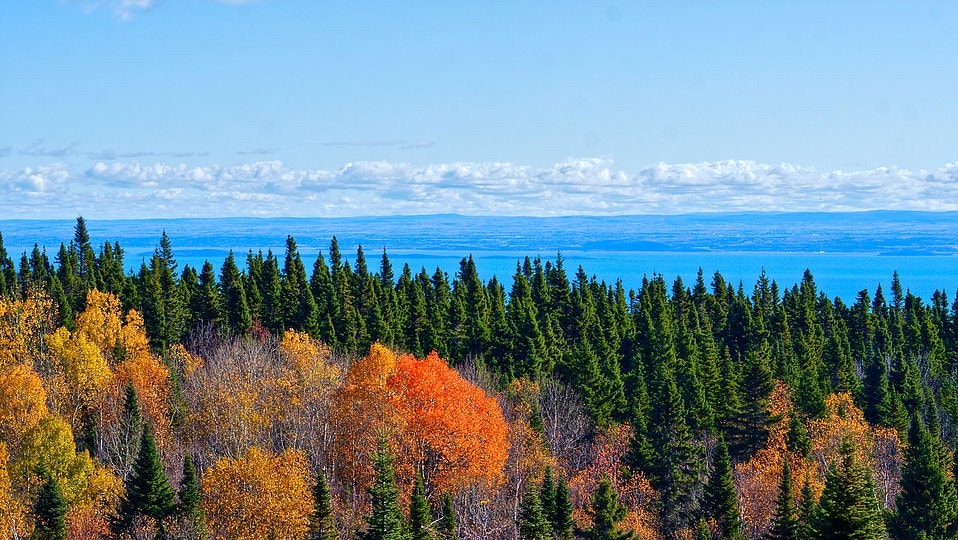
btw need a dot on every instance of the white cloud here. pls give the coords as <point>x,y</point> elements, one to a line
<point>126,10</point>
<point>117,188</point>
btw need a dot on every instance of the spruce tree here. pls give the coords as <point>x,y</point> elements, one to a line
<point>386,521</point>
<point>49,512</point>
<point>322,523</point>
<point>848,508</point>
<point>419,518</point>
<point>131,431</point>
<point>189,508</point>
<point>147,490</point>
<point>606,514</point>
<point>785,524</point>
<point>797,439</point>
<point>562,522</point>
<point>807,510</point>
<point>448,528</point>
<point>927,505</point>
<point>721,502</point>
<point>531,521</point>
<point>547,495</point>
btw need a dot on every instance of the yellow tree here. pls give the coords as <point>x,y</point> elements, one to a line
<point>85,373</point>
<point>879,449</point>
<point>49,447</point>
<point>757,479</point>
<point>23,324</point>
<point>259,495</point>
<point>9,507</point>
<point>310,384</point>
<point>22,403</point>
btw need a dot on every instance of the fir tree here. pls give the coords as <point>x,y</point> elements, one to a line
<point>322,523</point>
<point>419,518</point>
<point>547,495</point>
<point>785,524</point>
<point>606,514</point>
<point>807,511</point>
<point>386,521</point>
<point>147,490</point>
<point>531,521</point>
<point>720,498</point>
<point>130,431</point>
<point>448,528</point>
<point>848,508</point>
<point>189,507</point>
<point>562,522</point>
<point>797,439</point>
<point>927,506</point>
<point>49,512</point>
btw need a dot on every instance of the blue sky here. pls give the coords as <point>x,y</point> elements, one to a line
<point>149,108</point>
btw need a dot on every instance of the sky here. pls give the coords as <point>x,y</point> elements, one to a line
<point>175,108</point>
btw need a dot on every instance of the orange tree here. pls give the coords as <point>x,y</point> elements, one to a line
<point>440,426</point>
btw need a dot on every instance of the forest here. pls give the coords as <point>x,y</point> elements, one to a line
<point>277,398</point>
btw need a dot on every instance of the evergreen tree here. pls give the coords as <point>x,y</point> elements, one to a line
<point>49,512</point>
<point>606,514</point>
<point>797,439</point>
<point>147,490</point>
<point>531,521</point>
<point>927,506</point>
<point>807,511</point>
<point>785,524</point>
<point>848,508</point>
<point>561,520</point>
<point>448,528</point>
<point>189,508</point>
<point>131,431</point>
<point>547,496</point>
<point>322,523</point>
<point>419,518</point>
<point>235,307</point>
<point>674,471</point>
<point>386,521</point>
<point>721,502</point>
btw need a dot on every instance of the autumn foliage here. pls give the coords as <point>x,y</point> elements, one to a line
<point>440,426</point>
<point>259,495</point>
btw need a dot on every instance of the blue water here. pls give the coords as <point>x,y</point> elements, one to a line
<point>841,275</point>
<point>845,252</point>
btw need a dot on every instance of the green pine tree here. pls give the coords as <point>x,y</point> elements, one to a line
<point>386,522</point>
<point>322,522</point>
<point>147,490</point>
<point>785,524</point>
<point>131,431</point>
<point>721,503</point>
<point>562,522</point>
<point>848,508</point>
<point>927,506</point>
<point>606,514</point>
<point>807,510</point>
<point>49,512</point>
<point>547,495</point>
<point>189,508</point>
<point>448,528</point>
<point>531,521</point>
<point>419,518</point>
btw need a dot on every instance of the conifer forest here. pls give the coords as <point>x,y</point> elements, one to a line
<point>270,397</point>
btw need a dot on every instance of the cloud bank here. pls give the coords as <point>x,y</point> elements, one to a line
<point>589,186</point>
